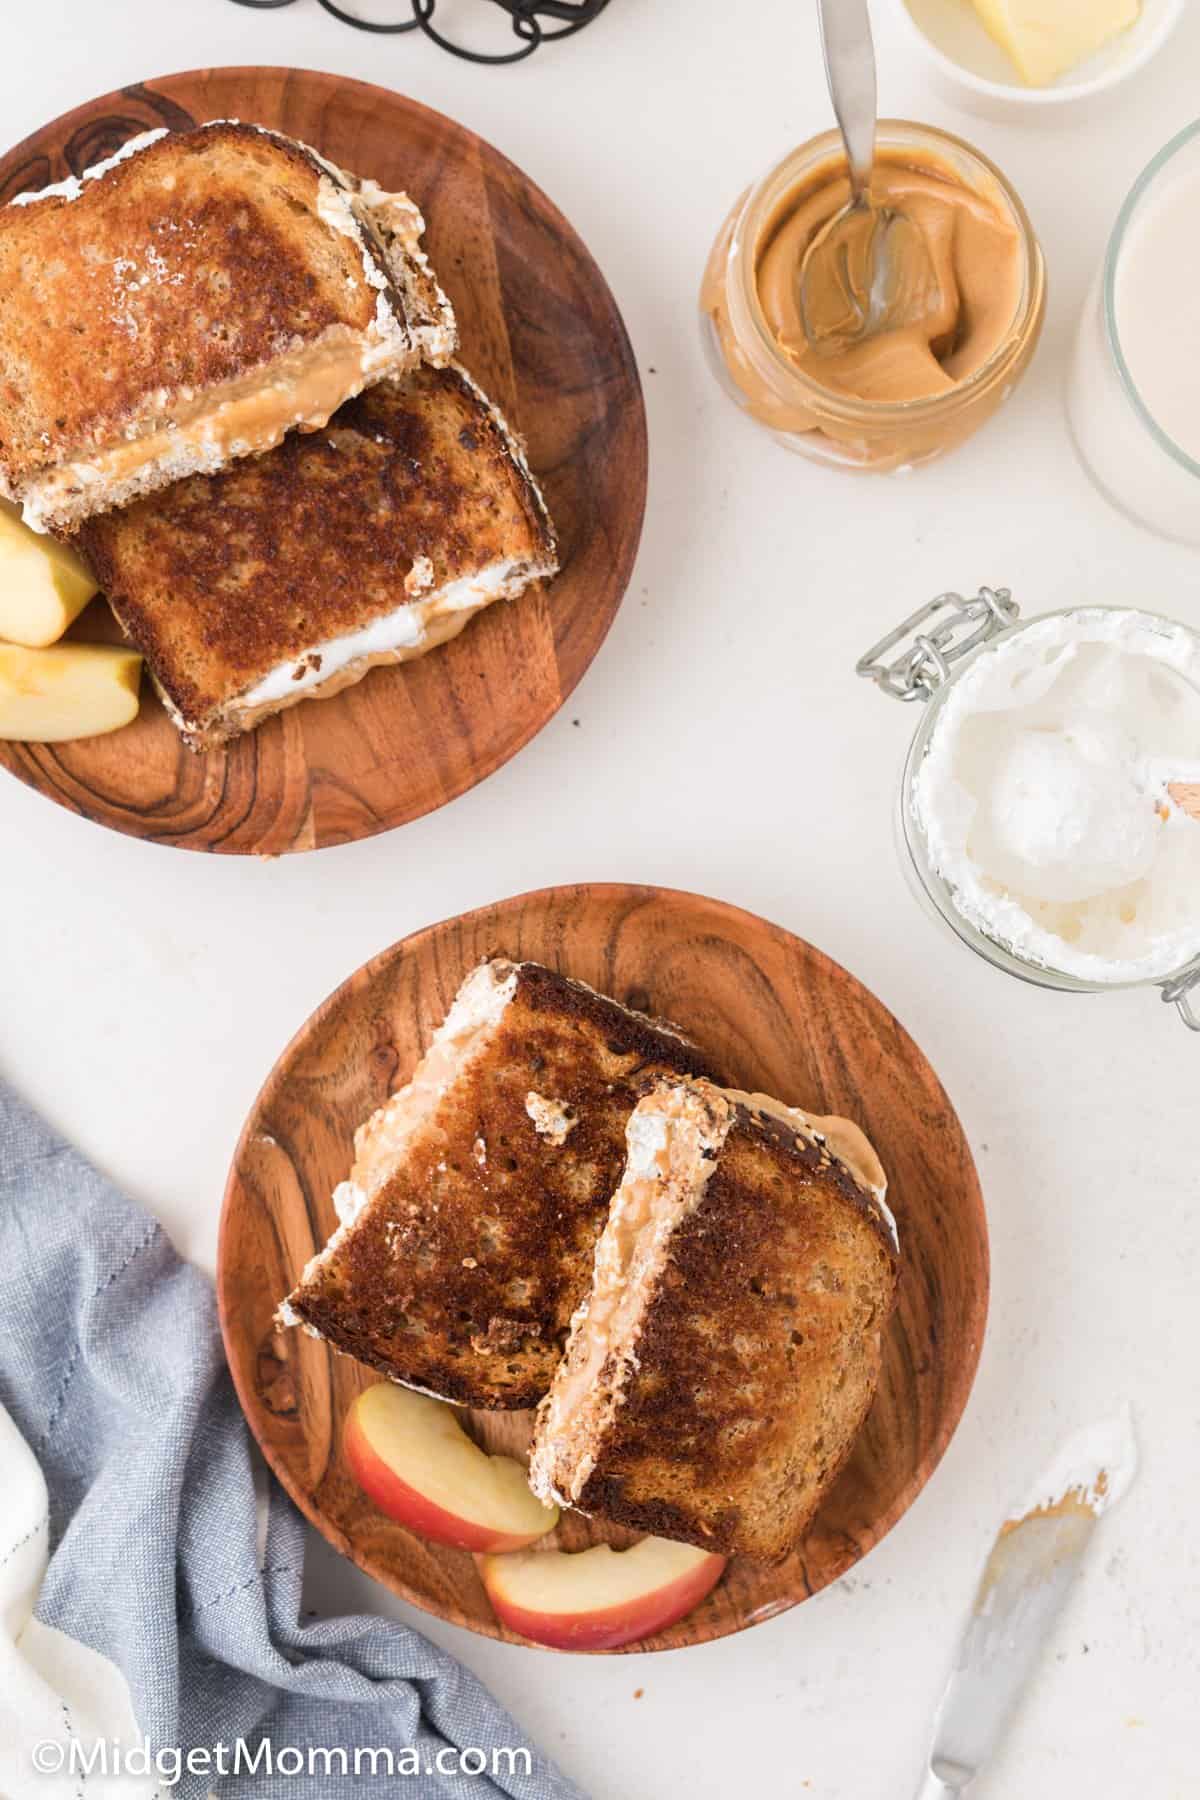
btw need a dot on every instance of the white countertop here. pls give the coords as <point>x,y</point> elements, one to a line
<point>721,743</point>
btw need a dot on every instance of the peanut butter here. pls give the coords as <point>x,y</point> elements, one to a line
<point>976,262</point>
<point>906,394</point>
<point>243,417</point>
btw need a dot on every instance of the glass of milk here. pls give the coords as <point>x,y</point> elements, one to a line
<point>1036,817</point>
<point>1133,394</point>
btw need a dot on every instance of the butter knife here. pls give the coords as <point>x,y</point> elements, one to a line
<point>1025,1581</point>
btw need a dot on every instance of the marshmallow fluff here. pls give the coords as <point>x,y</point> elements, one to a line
<point>1042,795</point>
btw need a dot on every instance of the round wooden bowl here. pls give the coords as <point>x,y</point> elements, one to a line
<point>784,1020</point>
<point>541,332</point>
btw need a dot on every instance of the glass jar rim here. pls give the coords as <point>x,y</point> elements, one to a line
<point>935,887</point>
<point>929,406</point>
<point>1141,186</point>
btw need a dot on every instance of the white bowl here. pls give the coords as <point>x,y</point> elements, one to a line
<point>969,63</point>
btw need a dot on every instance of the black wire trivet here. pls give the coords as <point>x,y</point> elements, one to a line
<point>526,17</point>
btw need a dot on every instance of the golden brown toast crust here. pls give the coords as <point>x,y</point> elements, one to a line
<point>758,1354</point>
<point>462,1273</point>
<point>196,261</point>
<point>219,579</point>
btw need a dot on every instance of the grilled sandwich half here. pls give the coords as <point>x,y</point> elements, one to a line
<point>189,301</point>
<point>478,1190</point>
<point>288,577</point>
<point>719,1369</point>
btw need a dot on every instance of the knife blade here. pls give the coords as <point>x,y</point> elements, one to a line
<point>1025,1581</point>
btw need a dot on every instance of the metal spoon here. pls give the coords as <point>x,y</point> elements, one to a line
<point>868,269</point>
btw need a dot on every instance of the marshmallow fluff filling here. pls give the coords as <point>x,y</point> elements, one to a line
<point>1043,801</point>
<point>396,633</point>
<point>672,1140</point>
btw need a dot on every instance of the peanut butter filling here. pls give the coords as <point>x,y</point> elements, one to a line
<point>976,259</point>
<point>246,416</point>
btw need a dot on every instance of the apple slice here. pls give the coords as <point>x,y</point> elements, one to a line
<point>68,691</point>
<point>600,1598</point>
<point>43,585</point>
<point>411,1455</point>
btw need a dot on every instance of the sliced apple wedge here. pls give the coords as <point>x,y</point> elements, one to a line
<point>601,1598</point>
<point>43,586</point>
<point>411,1455</point>
<point>67,691</point>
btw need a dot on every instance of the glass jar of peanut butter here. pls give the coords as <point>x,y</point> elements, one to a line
<point>909,393</point>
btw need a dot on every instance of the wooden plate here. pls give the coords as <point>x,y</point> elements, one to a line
<point>785,1020</point>
<point>543,335</point>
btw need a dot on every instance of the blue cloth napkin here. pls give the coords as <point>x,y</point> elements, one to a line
<point>154,1555</point>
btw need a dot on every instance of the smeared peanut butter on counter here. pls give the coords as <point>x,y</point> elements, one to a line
<point>976,259</point>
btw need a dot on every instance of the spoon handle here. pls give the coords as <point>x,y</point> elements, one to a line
<point>850,71</point>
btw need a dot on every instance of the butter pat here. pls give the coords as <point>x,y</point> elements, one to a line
<point>1045,38</point>
<point>48,696</point>
<point>43,586</point>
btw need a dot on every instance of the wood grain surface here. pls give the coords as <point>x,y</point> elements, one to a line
<point>785,1020</point>
<point>542,333</point>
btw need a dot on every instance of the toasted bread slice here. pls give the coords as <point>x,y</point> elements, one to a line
<point>728,1351</point>
<point>479,1190</point>
<point>188,302</point>
<point>287,577</point>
